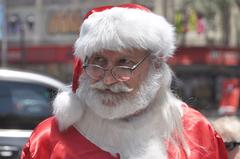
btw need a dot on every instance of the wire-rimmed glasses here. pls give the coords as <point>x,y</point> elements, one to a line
<point>231,145</point>
<point>120,73</point>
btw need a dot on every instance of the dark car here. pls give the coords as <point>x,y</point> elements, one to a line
<point>25,100</point>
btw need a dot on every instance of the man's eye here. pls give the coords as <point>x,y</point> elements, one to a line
<point>99,61</point>
<point>125,62</point>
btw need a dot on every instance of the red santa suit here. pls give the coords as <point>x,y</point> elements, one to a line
<point>157,112</point>
<point>47,142</point>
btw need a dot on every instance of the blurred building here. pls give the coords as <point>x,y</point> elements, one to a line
<point>57,21</point>
<point>41,34</point>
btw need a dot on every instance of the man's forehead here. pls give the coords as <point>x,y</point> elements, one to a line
<point>126,52</point>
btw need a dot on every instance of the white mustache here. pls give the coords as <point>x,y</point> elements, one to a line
<point>116,88</point>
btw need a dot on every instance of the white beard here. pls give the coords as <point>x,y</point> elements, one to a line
<point>115,106</point>
<point>140,136</point>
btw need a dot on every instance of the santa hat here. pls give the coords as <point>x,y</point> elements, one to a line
<point>122,27</point>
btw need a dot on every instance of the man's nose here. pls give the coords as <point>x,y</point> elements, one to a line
<point>108,78</point>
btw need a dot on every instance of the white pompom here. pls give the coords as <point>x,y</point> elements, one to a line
<point>67,109</point>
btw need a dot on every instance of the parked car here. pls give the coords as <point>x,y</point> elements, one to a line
<point>25,100</point>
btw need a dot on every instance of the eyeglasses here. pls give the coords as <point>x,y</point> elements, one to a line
<point>231,145</point>
<point>120,73</point>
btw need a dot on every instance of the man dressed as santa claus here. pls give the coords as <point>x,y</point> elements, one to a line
<point>121,105</point>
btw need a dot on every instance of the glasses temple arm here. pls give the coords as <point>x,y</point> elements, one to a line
<point>137,64</point>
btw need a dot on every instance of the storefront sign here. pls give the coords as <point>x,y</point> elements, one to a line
<point>64,21</point>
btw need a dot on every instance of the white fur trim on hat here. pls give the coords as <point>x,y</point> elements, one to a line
<point>124,28</point>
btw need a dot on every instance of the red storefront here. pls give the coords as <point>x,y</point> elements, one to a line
<point>41,54</point>
<point>208,77</point>
<point>53,60</point>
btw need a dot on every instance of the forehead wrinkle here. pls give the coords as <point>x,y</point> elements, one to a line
<point>132,52</point>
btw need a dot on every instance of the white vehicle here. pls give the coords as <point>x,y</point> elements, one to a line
<point>25,100</point>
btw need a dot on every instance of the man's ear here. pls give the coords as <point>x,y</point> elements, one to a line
<point>157,61</point>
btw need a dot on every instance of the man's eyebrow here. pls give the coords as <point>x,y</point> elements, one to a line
<point>96,53</point>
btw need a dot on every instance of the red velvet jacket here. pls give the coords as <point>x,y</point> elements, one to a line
<point>46,142</point>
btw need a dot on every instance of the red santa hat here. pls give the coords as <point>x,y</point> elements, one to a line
<point>122,27</point>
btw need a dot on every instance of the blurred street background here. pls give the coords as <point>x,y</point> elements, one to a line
<point>38,36</point>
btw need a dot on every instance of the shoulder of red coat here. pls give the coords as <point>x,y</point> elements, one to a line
<point>193,116</point>
<point>45,131</point>
<point>49,123</point>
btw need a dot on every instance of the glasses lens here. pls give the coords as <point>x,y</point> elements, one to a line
<point>95,72</point>
<point>122,73</point>
<point>230,145</point>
